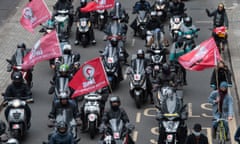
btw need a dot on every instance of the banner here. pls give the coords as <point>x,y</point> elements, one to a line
<point>46,48</point>
<point>33,14</point>
<point>98,5</point>
<point>90,77</point>
<point>203,56</point>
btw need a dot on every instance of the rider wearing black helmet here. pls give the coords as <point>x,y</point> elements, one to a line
<point>18,89</point>
<point>79,14</point>
<point>176,7</point>
<point>115,111</point>
<point>62,135</point>
<point>119,12</point>
<point>142,59</point>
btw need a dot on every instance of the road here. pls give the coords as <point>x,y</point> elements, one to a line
<point>195,93</point>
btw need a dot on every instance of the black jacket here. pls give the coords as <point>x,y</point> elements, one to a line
<point>58,107</point>
<point>21,91</point>
<point>58,138</point>
<point>110,114</point>
<point>79,14</point>
<point>192,139</point>
<point>152,24</point>
<point>219,75</point>
<point>176,9</point>
<point>219,18</point>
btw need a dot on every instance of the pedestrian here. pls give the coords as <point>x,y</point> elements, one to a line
<point>196,137</point>
<point>237,135</point>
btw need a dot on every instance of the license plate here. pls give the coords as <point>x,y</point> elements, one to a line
<point>156,67</point>
<point>116,135</point>
<point>222,35</point>
<point>169,137</point>
<point>15,126</point>
<point>110,60</point>
<point>137,76</point>
<point>83,23</point>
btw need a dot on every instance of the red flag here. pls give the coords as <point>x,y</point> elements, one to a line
<point>90,77</point>
<point>34,13</point>
<point>46,48</point>
<point>203,56</point>
<point>98,5</point>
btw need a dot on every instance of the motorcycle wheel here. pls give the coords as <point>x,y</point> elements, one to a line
<point>92,129</point>
<point>16,134</point>
<point>137,101</point>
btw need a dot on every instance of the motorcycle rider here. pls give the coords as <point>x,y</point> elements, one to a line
<point>222,107</point>
<point>196,137</point>
<point>3,133</point>
<point>24,51</point>
<point>219,74</point>
<point>18,89</point>
<point>119,12</point>
<point>79,14</point>
<point>115,112</point>
<point>141,5</point>
<point>176,7</point>
<point>64,5</point>
<point>64,102</point>
<point>166,77</point>
<point>219,15</point>
<point>143,60</point>
<point>62,135</point>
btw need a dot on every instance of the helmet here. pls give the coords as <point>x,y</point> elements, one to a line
<point>166,68</point>
<point>12,141</point>
<point>22,45</point>
<point>83,3</point>
<point>63,69</point>
<point>17,76</point>
<point>188,21</point>
<point>114,42</point>
<point>62,127</point>
<point>67,49</point>
<point>115,103</point>
<point>142,1</point>
<point>2,127</point>
<point>140,54</point>
<point>118,5</point>
<point>223,84</point>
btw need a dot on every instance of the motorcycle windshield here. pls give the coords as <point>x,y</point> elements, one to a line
<point>157,37</point>
<point>19,56</point>
<point>112,57</point>
<point>116,125</point>
<point>142,14</point>
<point>65,115</point>
<point>62,84</point>
<point>67,59</point>
<point>114,28</point>
<point>139,68</point>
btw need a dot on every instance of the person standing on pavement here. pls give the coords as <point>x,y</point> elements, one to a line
<point>196,137</point>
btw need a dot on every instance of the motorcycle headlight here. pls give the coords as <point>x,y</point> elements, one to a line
<point>162,6</point>
<point>16,103</point>
<point>171,126</point>
<point>188,36</point>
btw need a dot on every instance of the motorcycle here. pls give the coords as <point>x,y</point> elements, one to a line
<point>161,7</point>
<point>84,26</point>
<point>156,36</point>
<point>16,66</point>
<point>175,23</point>
<point>116,132</point>
<point>100,19</point>
<point>220,37</point>
<point>61,21</point>
<point>92,112</point>
<point>171,115</point>
<point>137,83</point>
<point>142,19</point>
<point>17,121</point>
<point>112,66</point>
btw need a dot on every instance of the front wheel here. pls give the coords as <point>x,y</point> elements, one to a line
<point>137,100</point>
<point>92,129</point>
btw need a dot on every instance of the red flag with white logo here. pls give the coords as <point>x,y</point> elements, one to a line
<point>203,56</point>
<point>90,77</point>
<point>33,14</point>
<point>98,5</point>
<point>46,48</point>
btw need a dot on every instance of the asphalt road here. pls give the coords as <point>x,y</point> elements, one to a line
<point>7,7</point>
<point>195,93</point>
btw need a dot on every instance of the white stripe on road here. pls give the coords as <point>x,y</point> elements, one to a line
<point>204,22</point>
<point>133,42</point>
<point>138,117</point>
<point>135,136</point>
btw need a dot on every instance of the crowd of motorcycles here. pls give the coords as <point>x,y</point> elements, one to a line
<point>172,112</point>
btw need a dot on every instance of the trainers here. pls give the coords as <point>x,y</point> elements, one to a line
<point>76,42</point>
<point>94,42</point>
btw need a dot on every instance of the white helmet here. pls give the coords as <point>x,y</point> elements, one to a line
<point>12,141</point>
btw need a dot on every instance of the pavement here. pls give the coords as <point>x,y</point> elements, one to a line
<point>12,33</point>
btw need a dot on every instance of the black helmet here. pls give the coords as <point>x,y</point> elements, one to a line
<point>115,102</point>
<point>114,42</point>
<point>67,49</point>
<point>188,21</point>
<point>142,1</point>
<point>17,76</point>
<point>166,68</point>
<point>83,3</point>
<point>22,45</point>
<point>140,54</point>
<point>118,5</point>
<point>62,127</point>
